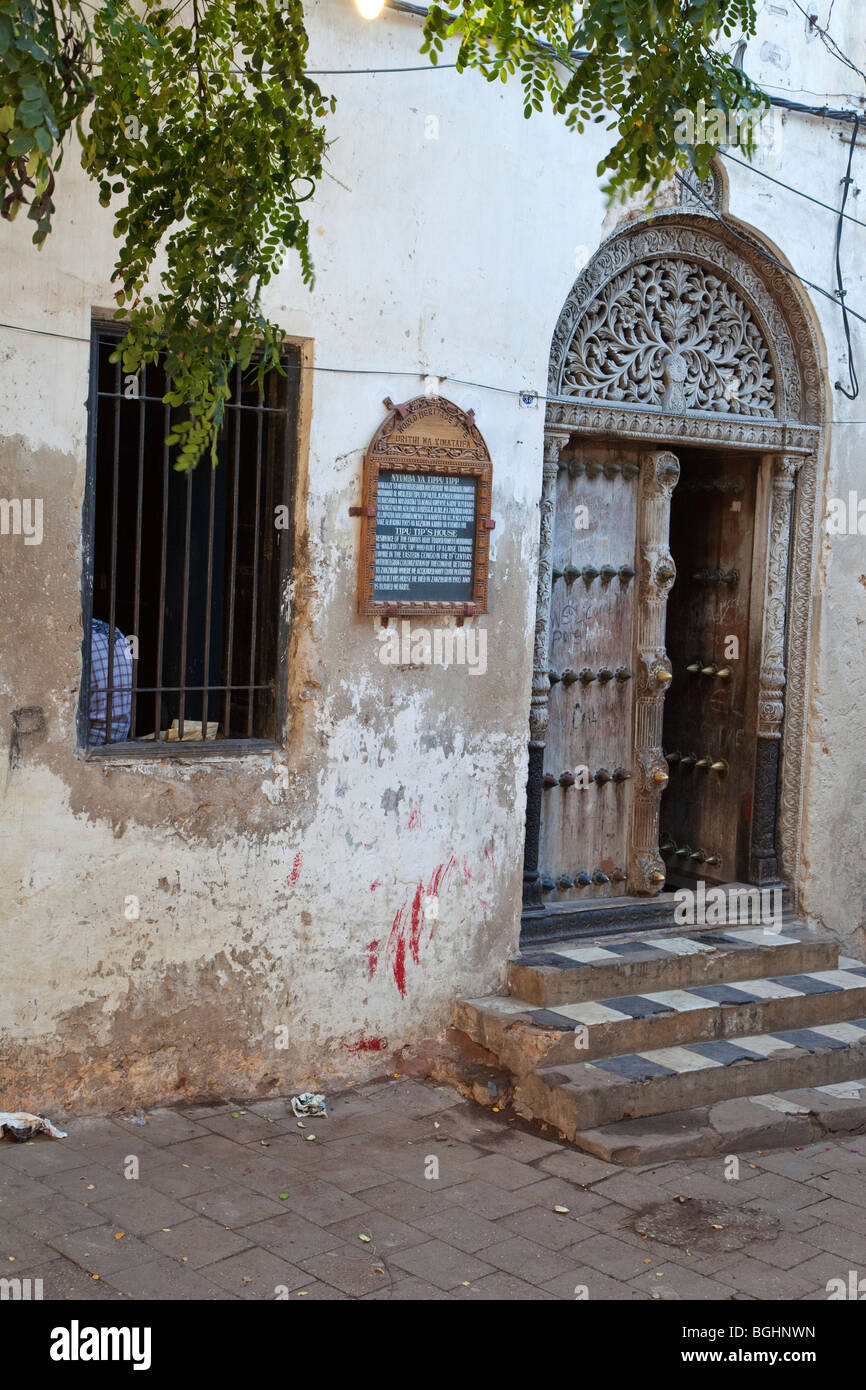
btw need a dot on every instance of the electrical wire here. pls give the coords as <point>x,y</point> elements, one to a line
<point>755,169</point>
<point>846,185</point>
<point>829,42</point>
<point>761,251</point>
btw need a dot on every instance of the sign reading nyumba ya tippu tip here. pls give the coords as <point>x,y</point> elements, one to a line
<point>425,517</point>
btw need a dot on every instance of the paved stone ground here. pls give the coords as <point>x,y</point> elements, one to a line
<point>237,1201</point>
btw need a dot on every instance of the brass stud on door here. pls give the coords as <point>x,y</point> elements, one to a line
<point>602,776</point>
<point>664,573</point>
<point>709,670</point>
<point>607,573</point>
<point>568,677</point>
<point>554,677</point>
<point>699,856</point>
<point>695,667</point>
<point>673,758</point>
<point>582,880</point>
<point>586,675</point>
<point>688,761</point>
<point>721,767</point>
<point>566,779</point>
<point>663,676</point>
<point>713,860</point>
<point>659,776</point>
<point>620,774</point>
<point>630,470</point>
<point>626,572</point>
<point>548,781</point>
<point>725,674</point>
<point>564,882</point>
<point>600,877</point>
<point>547,885</point>
<point>703,764</point>
<point>570,573</point>
<point>657,876</point>
<point>729,577</point>
<point>605,675</point>
<point>589,573</point>
<point>622,674</point>
<point>617,876</point>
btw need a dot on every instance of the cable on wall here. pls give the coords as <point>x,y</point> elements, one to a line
<point>846,184</point>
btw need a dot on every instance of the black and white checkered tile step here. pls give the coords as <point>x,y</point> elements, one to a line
<point>723,1052</point>
<point>629,1023</point>
<point>568,973</point>
<point>660,1080</point>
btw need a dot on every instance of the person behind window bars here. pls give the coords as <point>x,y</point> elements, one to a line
<point>121,682</point>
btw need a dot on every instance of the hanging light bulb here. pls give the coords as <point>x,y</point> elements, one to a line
<point>370,9</point>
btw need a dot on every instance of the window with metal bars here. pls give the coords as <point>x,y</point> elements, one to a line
<point>185,635</point>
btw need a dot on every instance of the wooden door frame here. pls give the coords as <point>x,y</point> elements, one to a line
<point>792,439</point>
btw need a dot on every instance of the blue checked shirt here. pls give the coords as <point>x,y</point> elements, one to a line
<point>121,680</point>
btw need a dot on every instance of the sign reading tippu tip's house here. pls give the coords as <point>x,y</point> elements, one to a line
<point>425,518</point>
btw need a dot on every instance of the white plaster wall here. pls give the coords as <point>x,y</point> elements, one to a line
<point>256,879</point>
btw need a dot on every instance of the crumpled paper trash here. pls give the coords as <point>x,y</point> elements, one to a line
<point>308,1104</point>
<point>22,1126</point>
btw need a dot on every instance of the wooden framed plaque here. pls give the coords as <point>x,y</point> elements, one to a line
<point>425,519</point>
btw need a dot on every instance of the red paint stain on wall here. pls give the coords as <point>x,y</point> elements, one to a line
<point>409,922</point>
<point>366,1045</point>
<point>293,877</point>
<point>377,883</point>
<point>372,953</point>
<point>414,820</point>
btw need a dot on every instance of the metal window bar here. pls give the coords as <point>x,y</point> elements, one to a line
<point>136,602</point>
<point>157,702</point>
<point>233,566</point>
<point>112,599</point>
<point>255,599</point>
<point>237,414</point>
<point>185,605</point>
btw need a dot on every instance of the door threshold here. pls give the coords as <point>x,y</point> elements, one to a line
<point>613,916</point>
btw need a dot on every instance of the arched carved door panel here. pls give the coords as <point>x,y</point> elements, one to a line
<point>679,335</point>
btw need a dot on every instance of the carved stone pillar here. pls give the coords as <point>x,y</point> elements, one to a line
<point>659,476</point>
<point>764,866</point>
<point>538,707</point>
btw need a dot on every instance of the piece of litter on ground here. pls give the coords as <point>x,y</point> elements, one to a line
<point>308,1103</point>
<point>21,1126</point>
<point>139,1118</point>
<point>563,1211</point>
<point>309,1137</point>
<point>365,1239</point>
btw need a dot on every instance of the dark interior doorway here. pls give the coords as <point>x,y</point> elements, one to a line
<point>713,640</point>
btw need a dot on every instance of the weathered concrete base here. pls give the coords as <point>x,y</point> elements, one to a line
<point>788,1120</point>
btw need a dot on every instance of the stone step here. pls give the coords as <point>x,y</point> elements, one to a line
<point>786,1119</point>
<point>523,1036</point>
<point>566,973</point>
<point>587,1095</point>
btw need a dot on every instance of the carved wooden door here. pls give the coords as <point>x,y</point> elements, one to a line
<point>709,727</point>
<point>608,669</point>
